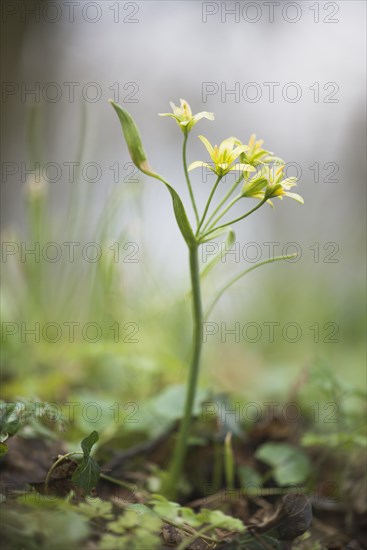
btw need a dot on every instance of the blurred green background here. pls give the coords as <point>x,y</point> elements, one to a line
<point>141,284</point>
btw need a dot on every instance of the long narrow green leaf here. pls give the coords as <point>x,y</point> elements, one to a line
<point>180,214</point>
<point>139,157</point>
<point>132,138</point>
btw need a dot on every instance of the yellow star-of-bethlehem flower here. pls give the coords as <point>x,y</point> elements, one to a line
<point>224,156</point>
<point>184,117</point>
<point>257,155</point>
<point>269,183</point>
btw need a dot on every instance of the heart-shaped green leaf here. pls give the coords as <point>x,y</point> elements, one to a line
<point>87,473</point>
<point>290,464</point>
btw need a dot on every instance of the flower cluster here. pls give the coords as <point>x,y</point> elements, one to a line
<point>261,171</point>
<point>269,183</point>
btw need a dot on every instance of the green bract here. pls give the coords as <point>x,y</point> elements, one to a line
<point>133,140</point>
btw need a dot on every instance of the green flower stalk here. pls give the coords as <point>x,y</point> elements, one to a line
<point>186,120</point>
<point>259,179</point>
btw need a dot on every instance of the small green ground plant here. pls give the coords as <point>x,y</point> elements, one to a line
<point>259,175</point>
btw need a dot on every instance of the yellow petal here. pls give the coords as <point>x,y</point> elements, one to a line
<point>251,141</point>
<point>227,144</point>
<point>198,164</point>
<point>203,114</point>
<point>176,110</point>
<point>168,114</point>
<point>245,167</point>
<point>280,170</point>
<point>294,196</point>
<point>238,150</point>
<point>208,145</point>
<point>185,108</point>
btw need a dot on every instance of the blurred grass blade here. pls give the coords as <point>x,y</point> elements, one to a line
<point>242,274</point>
<point>220,255</point>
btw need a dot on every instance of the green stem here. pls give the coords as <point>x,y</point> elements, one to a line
<point>233,221</point>
<point>184,161</point>
<point>217,466</point>
<point>208,203</point>
<point>56,463</point>
<point>228,207</point>
<point>180,450</point>
<point>243,273</point>
<point>226,197</point>
<point>229,462</point>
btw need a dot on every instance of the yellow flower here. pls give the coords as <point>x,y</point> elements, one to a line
<point>257,155</point>
<point>184,117</point>
<point>279,187</point>
<point>269,184</point>
<point>254,188</point>
<point>223,157</point>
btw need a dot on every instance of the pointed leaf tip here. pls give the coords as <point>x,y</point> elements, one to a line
<point>87,473</point>
<point>133,139</point>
